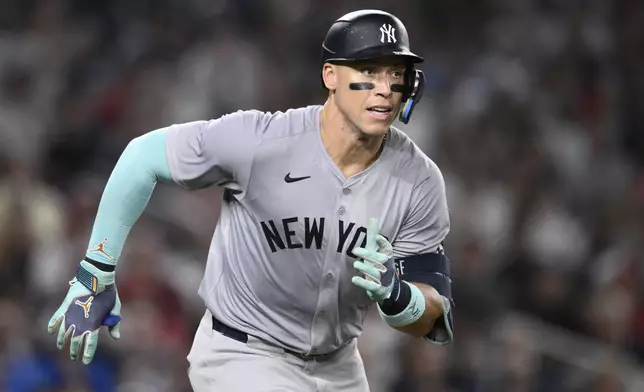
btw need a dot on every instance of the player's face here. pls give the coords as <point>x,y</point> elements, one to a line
<point>364,94</point>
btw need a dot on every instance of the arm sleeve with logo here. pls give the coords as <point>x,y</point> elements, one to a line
<point>424,229</point>
<point>127,192</point>
<point>195,155</point>
<point>217,152</point>
<point>92,299</point>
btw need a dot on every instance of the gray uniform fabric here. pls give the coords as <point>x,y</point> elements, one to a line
<point>280,264</point>
<point>218,363</point>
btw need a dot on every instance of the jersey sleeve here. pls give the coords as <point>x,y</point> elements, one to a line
<point>427,222</point>
<point>217,152</point>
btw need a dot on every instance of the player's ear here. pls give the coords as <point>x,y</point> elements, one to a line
<point>330,76</point>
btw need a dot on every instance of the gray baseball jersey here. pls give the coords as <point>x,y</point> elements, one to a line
<point>280,264</point>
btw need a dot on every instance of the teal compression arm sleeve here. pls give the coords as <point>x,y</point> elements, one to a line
<point>127,192</point>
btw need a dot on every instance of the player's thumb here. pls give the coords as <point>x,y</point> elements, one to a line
<point>373,227</point>
<point>115,331</point>
<point>113,324</point>
<point>113,320</point>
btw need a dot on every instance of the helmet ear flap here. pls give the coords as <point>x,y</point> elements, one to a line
<point>415,83</point>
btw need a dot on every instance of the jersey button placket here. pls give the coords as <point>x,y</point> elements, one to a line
<point>320,322</point>
<point>326,295</point>
<point>346,191</point>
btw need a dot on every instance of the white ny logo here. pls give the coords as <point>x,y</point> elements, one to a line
<point>387,30</point>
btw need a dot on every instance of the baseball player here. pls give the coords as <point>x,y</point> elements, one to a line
<point>328,210</point>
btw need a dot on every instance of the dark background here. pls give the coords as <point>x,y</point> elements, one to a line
<point>534,111</point>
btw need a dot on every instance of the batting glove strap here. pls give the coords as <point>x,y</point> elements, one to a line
<point>412,312</point>
<point>93,279</point>
<point>398,300</point>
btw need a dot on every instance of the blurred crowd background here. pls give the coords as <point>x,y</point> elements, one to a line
<point>534,110</point>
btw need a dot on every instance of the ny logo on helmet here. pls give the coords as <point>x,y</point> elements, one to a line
<point>387,30</point>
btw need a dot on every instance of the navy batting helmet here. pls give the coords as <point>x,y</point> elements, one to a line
<point>373,34</point>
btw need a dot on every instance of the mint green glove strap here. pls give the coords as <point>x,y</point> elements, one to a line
<point>412,312</point>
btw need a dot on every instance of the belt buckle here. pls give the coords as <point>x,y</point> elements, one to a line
<point>302,356</point>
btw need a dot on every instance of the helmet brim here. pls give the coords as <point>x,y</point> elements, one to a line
<point>379,52</point>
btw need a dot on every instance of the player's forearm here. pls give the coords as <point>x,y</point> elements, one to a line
<point>433,311</point>
<point>127,192</point>
<point>420,310</point>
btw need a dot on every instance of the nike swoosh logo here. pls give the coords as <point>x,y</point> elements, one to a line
<point>288,179</point>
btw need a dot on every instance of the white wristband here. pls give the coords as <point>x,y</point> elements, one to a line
<point>412,312</point>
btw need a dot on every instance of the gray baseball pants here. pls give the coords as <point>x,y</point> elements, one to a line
<point>222,364</point>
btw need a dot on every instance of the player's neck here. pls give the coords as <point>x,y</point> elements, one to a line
<point>351,151</point>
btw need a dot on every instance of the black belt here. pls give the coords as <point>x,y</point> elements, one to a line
<point>229,331</point>
<point>243,337</point>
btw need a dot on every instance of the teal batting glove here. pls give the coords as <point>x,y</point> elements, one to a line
<point>91,302</point>
<point>377,265</point>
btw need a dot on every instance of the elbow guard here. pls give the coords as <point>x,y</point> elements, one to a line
<point>432,269</point>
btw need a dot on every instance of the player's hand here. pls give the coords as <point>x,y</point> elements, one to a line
<point>377,265</point>
<point>91,302</point>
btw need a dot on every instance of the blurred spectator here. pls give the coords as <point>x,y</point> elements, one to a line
<point>533,111</point>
